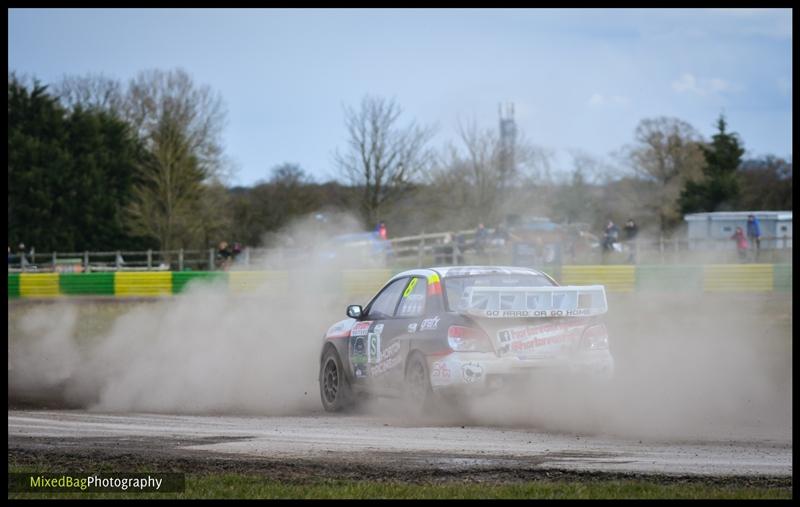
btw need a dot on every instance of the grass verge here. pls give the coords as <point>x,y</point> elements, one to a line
<point>234,485</point>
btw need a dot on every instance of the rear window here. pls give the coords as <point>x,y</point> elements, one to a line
<point>455,287</point>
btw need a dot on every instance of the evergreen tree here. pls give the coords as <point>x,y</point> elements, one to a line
<point>719,188</point>
<point>70,174</point>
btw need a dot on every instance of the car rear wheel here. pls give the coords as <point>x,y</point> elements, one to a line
<point>333,384</point>
<point>418,392</point>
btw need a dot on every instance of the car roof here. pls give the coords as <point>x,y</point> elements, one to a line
<point>451,271</point>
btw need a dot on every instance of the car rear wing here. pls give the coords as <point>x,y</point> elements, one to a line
<point>523,302</point>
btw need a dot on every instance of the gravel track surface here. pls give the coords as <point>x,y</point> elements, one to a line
<point>371,443</point>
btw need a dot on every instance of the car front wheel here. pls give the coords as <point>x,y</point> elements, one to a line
<point>333,384</point>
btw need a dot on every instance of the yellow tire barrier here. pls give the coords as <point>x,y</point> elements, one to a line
<point>615,278</point>
<point>748,277</point>
<point>37,285</point>
<point>366,282</point>
<point>143,284</point>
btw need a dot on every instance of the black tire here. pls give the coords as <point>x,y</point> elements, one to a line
<point>418,393</point>
<point>334,387</point>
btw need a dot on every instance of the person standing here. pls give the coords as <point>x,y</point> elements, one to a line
<point>481,236</point>
<point>754,233</point>
<point>224,255</point>
<point>611,236</point>
<point>631,230</point>
<point>741,243</point>
<point>23,260</point>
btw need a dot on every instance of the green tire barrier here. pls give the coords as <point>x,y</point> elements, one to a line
<point>180,279</point>
<point>13,285</point>
<point>362,282</point>
<point>78,284</point>
<point>782,277</point>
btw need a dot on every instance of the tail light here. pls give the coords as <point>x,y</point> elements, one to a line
<point>595,337</point>
<point>468,339</point>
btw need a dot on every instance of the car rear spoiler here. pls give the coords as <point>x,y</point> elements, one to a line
<point>523,302</point>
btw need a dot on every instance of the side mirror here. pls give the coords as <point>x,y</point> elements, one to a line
<point>354,311</point>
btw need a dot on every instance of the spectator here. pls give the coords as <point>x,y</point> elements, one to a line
<point>382,229</point>
<point>741,243</point>
<point>460,246</point>
<point>444,251</point>
<point>631,230</point>
<point>9,256</point>
<point>481,236</point>
<point>500,236</point>
<point>237,249</point>
<point>23,261</point>
<point>224,255</point>
<point>754,233</point>
<point>610,236</point>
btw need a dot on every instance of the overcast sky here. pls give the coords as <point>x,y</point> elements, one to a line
<point>580,79</point>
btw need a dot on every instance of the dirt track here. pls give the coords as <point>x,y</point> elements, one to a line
<point>373,445</point>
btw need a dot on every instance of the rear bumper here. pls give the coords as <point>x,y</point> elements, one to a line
<point>485,371</point>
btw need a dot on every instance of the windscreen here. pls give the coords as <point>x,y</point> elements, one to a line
<point>457,289</point>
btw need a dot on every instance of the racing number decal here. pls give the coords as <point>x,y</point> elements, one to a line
<point>410,287</point>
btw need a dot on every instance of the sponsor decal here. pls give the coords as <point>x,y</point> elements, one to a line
<point>410,308</point>
<point>412,328</point>
<point>373,355</point>
<point>358,346</point>
<point>339,329</point>
<point>439,369</point>
<point>495,314</point>
<point>471,372</point>
<point>525,338</point>
<point>429,324</point>
<point>378,329</point>
<point>358,356</point>
<point>361,328</point>
<point>389,358</point>
<point>390,351</point>
<point>384,366</point>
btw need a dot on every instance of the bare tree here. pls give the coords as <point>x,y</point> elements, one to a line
<point>667,153</point>
<point>155,96</point>
<point>476,180</point>
<point>180,125</point>
<point>383,157</point>
<point>92,91</point>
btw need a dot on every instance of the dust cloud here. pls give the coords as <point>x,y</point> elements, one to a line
<point>207,351</point>
<point>687,365</point>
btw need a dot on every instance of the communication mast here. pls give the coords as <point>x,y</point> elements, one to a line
<point>508,136</point>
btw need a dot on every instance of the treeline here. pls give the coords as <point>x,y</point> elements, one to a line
<point>98,164</point>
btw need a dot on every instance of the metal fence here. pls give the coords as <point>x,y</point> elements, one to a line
<point>447,248</point>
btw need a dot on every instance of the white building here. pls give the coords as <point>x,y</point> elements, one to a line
<point>708,231</point>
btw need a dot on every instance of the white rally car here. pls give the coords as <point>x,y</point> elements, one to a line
<point>462,329</point>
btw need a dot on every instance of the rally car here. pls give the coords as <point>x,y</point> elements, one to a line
<point>461,330</point>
